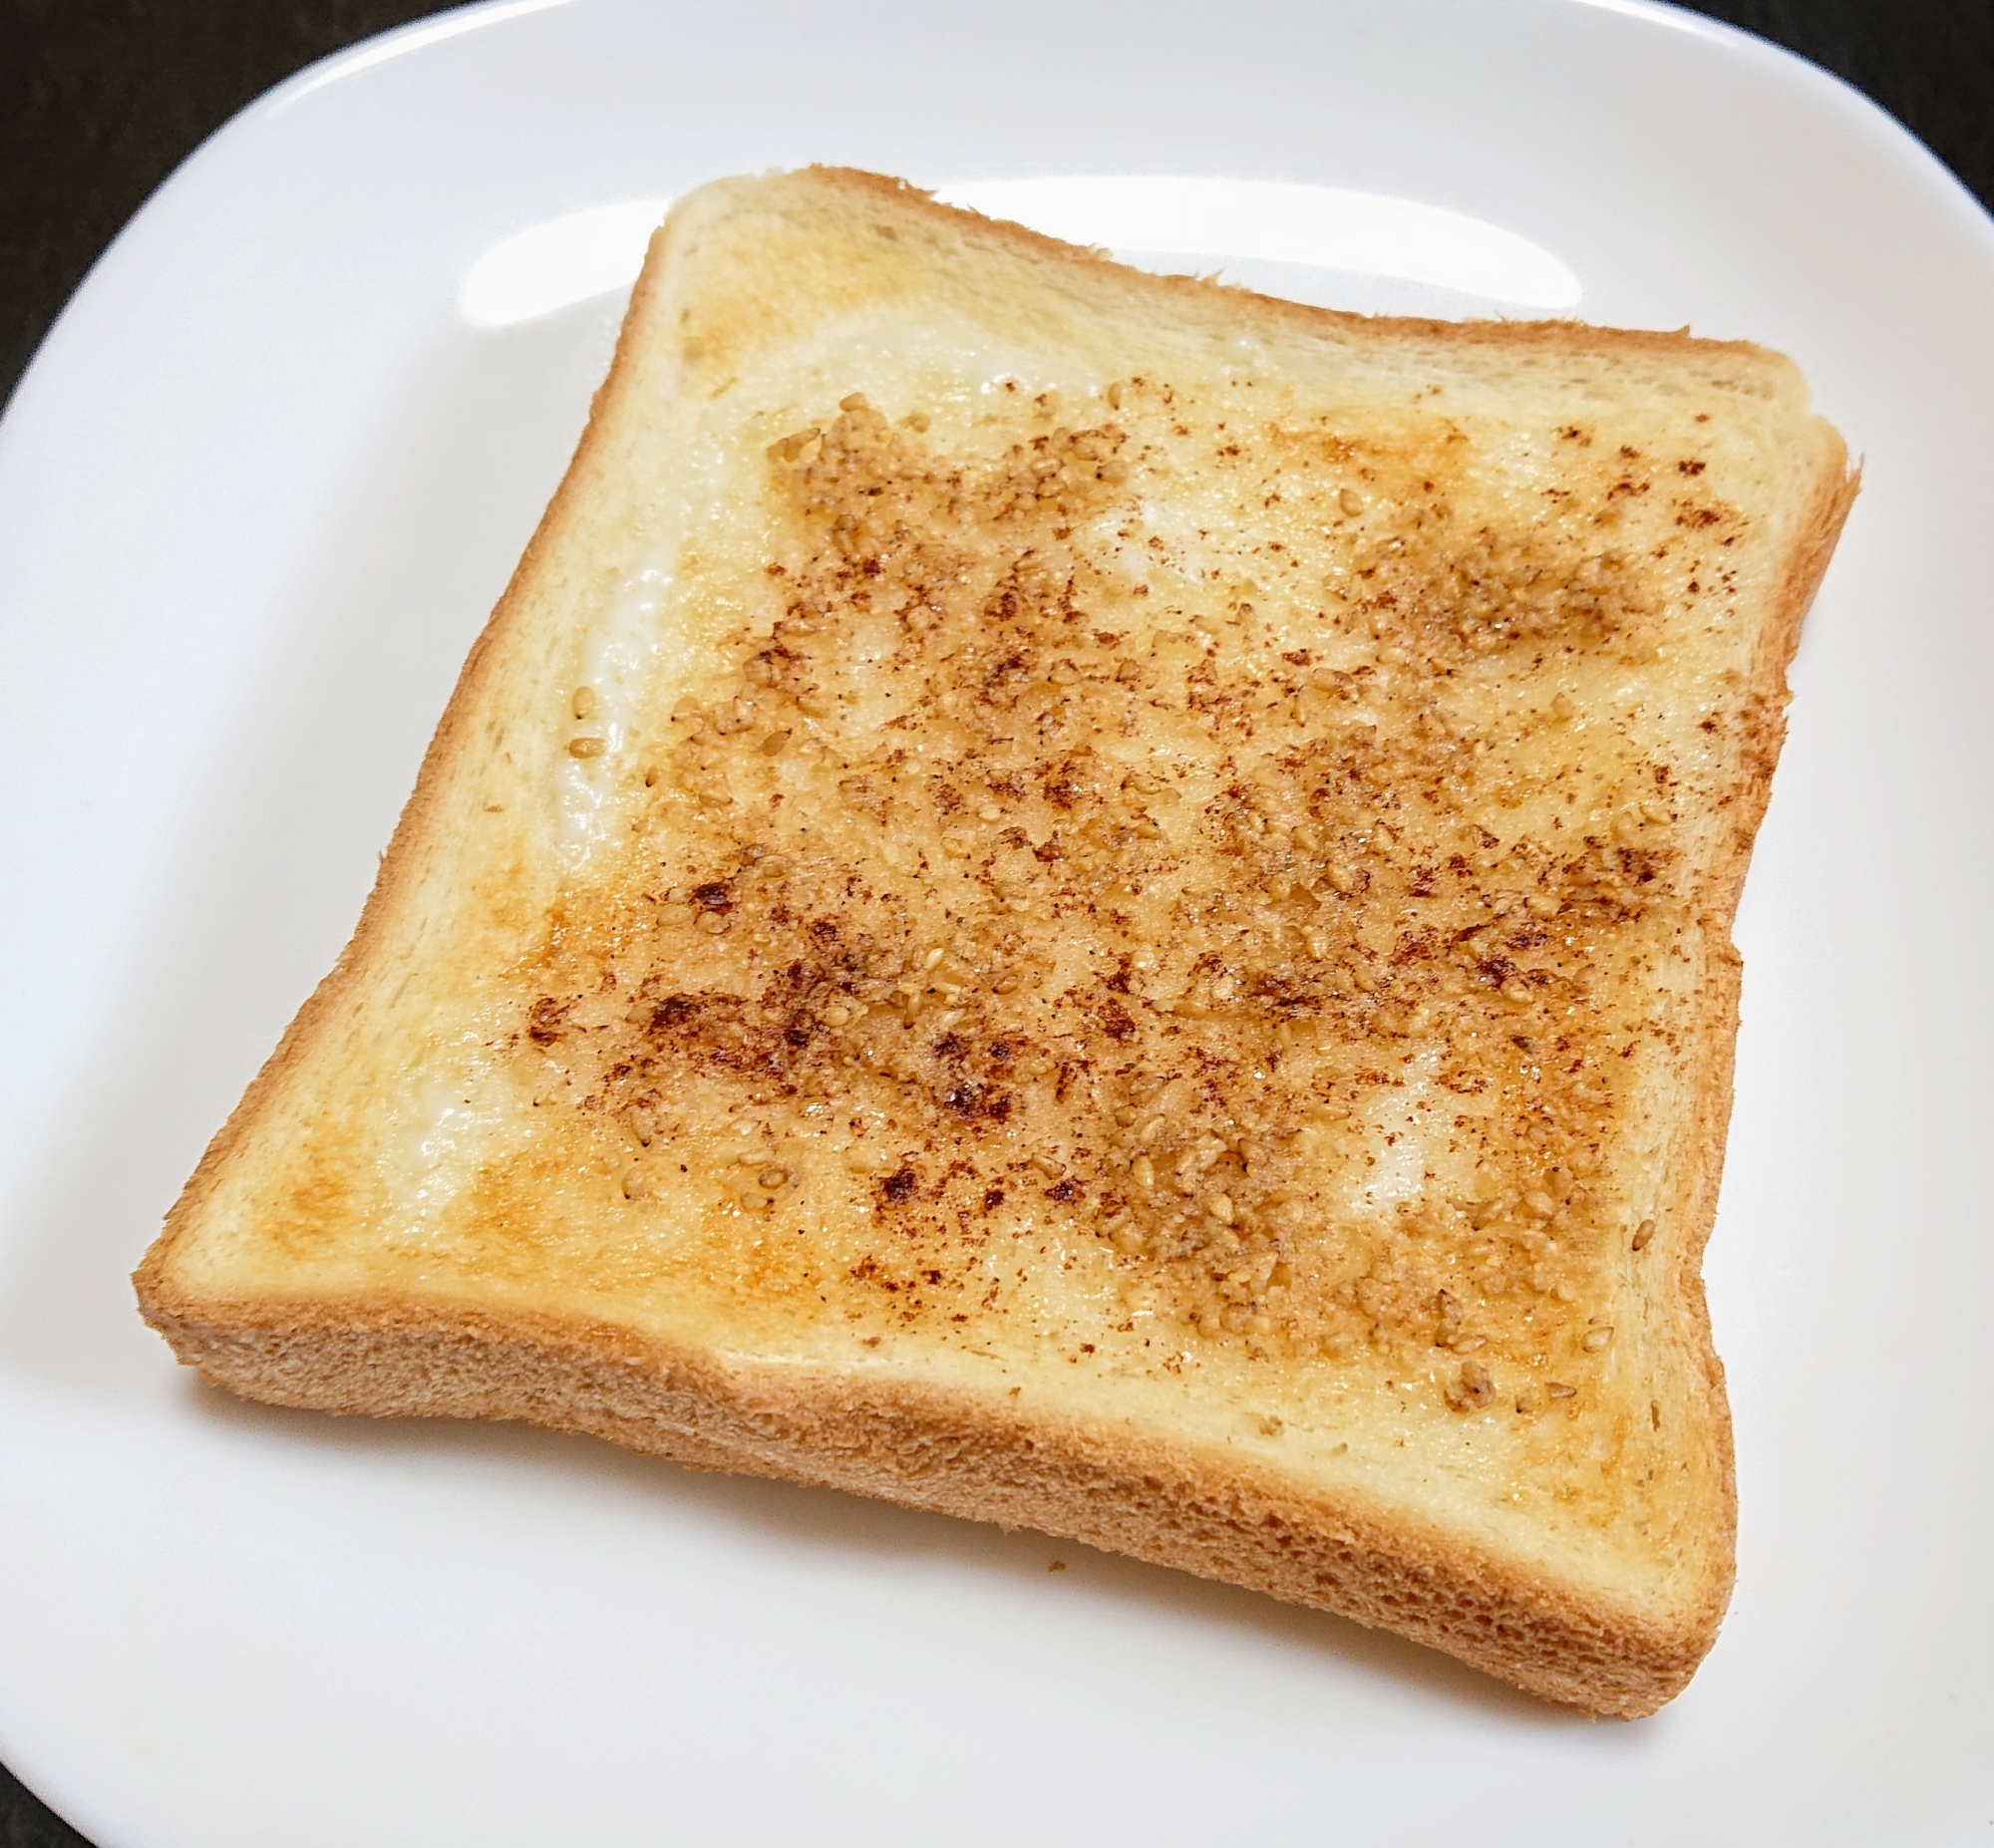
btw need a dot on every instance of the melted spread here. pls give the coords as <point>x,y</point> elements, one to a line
<point>1176,875</point>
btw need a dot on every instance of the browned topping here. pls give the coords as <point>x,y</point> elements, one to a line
<point>1296,976</point>
<point>1473,1389</point>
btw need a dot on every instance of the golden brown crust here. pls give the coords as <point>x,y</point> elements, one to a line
<point>953,1455</point>
<point>1517,335</point>
<point>960,1451</point>
<point>1717,1024</point>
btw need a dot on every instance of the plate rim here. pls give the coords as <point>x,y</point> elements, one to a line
<point>351,64</point>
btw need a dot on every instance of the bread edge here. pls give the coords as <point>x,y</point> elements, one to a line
<point>1693,1210</point>
<point>1023,241</point>
<point>949,1452</point>
<point>398,875</point>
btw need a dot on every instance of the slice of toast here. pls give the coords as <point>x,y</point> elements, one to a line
<point>1091,901</point>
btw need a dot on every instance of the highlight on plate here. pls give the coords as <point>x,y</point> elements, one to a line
<point>1159,221</point>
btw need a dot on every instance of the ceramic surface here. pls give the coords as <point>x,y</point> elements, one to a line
<point>256,496</point>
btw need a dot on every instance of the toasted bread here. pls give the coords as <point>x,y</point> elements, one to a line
<point>1088,900</point>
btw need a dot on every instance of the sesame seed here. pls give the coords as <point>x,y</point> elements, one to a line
<point>1596,1340</point>
<point>1643,1233</point>
<point>1474,1388</point>
<point>789,448</point>
<point>586,746</point>
<point>582,703</point>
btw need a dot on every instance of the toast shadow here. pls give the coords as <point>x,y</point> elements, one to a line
<point>838,1522</point>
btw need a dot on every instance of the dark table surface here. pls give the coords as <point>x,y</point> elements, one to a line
<point>100,99</point>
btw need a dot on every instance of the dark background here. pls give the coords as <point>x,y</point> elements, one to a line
<point>100,99</point>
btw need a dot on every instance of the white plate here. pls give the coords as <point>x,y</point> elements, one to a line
<point>255,497</point>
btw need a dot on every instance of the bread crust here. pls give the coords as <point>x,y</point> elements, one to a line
<point>958,1452</point>
<point>1511,336</point>
<point>402,866</point>
<point>1717,1023</point>
<point>951,1453</point>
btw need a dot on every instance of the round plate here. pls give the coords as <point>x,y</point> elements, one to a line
<point>256,496</point>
